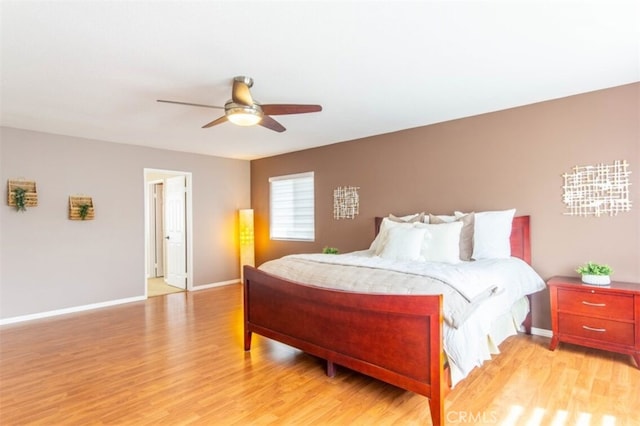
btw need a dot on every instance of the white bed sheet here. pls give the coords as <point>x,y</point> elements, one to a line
<point>475,343</point>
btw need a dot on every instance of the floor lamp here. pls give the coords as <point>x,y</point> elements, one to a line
<point>247,251</point>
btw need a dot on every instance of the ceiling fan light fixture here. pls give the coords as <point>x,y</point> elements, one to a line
<point>243,110</point>
<point>244,115</point>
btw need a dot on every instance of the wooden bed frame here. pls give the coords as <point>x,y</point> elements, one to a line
<point>394,338</point>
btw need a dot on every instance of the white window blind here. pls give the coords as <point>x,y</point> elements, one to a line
<point>292,207</point>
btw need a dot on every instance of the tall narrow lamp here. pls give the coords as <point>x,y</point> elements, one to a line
<point>247,252</point>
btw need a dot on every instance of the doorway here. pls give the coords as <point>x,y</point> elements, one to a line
<point>168,232</point>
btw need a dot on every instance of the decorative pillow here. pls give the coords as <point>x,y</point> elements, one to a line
<point>403,243</point>
<point>387,224</point>
<point>466,235</point>
<point>492,234</point>
<point>443,217</point>
<point>418,217</point>
<point>441,242</point>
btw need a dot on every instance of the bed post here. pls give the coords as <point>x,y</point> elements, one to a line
<point>247,333</point>
<point>331,369</point>
<point>528,320</point>
<point>438,381</point>
<point>436,405</point>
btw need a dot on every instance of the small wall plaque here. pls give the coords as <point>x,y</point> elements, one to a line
<point>81,208</point>
<point>30,196</point>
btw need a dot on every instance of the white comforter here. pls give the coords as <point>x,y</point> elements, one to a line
<point>474,293</point>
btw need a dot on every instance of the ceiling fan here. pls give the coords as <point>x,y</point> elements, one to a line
<point>243,110</point>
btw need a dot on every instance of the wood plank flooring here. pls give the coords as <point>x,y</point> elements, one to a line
<point>179,360</point>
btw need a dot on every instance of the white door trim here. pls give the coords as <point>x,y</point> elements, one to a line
<point>149,229</point>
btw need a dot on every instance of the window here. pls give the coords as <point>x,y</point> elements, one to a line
<point>292,207</point>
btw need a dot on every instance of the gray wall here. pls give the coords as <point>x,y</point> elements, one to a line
<point>511,158</point>
<point>48,262</point>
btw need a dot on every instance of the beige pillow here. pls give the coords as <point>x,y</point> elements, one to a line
<point>466,236</point>
<point>418,217</point>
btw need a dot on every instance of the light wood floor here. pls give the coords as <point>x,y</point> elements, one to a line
<point>179,359</point>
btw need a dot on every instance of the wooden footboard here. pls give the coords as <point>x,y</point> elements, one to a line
<point>358,331</point>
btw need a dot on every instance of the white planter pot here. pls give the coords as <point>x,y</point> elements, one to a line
<point>596,279</point>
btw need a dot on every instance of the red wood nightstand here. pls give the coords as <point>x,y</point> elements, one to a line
<point>602,317</point>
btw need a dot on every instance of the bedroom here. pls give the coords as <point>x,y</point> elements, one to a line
<point>509,158</point>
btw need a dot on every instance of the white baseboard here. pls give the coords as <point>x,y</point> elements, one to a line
<point>212,285</point>
<point>541,332</point>
<point>57,312</point>
<point>64,311</point>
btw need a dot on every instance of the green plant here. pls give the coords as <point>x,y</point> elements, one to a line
<point>330,250</point>
<point>591,268</point>
<point>84,210</point>
<point>20,197</point>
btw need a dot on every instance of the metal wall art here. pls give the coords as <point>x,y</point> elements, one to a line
<point>602,189</point>
<point>346,203</point>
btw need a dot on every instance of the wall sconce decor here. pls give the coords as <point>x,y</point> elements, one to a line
<point>246,239</point>
<point>22,194</point>
<point>346,202</point>
<point>597,190</point>
<point>81,208</point>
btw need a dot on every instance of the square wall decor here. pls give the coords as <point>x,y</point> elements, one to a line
<point>27,189</point>
<point>601,189</point>
<point>81,208</point>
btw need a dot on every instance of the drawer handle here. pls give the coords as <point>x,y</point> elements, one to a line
<point>599,330</point>
<point>600,305</point>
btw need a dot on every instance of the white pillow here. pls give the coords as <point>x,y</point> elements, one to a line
<point>387,224</point>
<point>492,234</point>
<point>441,242</point>
<point>403,243</point>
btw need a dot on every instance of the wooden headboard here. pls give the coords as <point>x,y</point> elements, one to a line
<point>520,238</point>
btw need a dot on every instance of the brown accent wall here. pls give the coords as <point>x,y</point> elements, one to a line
<point>511,158</point>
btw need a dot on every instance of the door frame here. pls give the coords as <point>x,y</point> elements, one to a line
<point>150,175</point>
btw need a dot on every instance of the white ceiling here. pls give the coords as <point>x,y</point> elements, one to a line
<point>94,69</point>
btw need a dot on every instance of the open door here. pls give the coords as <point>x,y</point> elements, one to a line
<point>175,232</point>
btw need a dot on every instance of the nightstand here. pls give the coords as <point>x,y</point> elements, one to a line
<point>602,317</point>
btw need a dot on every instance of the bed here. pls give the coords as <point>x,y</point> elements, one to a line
<point>396,338</point>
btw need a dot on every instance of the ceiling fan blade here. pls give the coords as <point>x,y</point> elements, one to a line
<point>190,104</point>
<point>282,109</point>
<point>241,94</point>
<point>215,122</point>
<point>272,124</point>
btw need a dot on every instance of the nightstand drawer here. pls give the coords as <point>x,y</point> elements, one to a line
<point>593,303</point>
<point>596,328</point>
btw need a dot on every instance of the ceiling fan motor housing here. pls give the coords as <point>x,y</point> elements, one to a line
<point>246,80</point>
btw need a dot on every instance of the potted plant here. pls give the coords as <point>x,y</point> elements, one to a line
<point>330,250</point>
<point>595,274</point>
<point>84,210</point>
<point>20,197</point>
